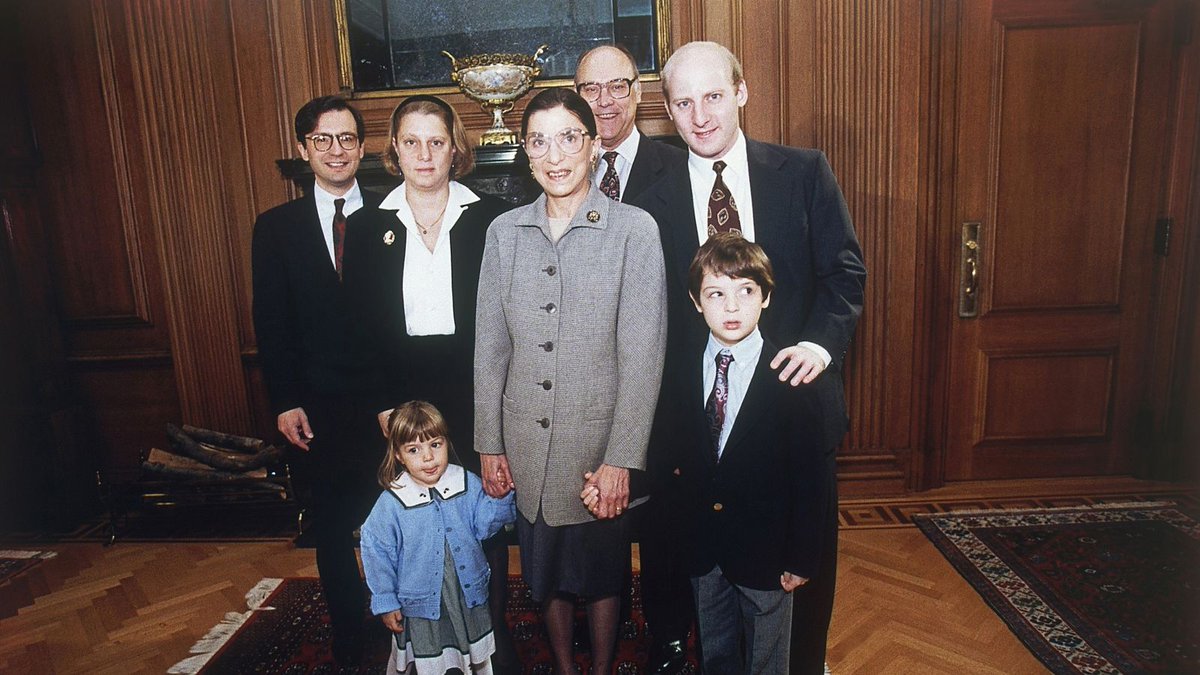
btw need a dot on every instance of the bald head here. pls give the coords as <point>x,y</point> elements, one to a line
<point>614,116</point>
<point>702,55</point>
<point>704,91</point>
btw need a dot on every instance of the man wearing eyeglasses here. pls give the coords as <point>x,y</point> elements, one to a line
<point>312,372</point>
<point>607,78</point>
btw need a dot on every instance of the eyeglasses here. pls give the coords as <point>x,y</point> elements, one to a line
<point>618,88</point>
<point>570,141</point>
<point>323,142</point>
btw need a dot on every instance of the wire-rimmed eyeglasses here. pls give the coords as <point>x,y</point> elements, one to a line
<point>570,141</point>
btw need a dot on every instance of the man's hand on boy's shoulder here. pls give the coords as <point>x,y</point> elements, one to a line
<point>791,582</point>
<point>803,365</point>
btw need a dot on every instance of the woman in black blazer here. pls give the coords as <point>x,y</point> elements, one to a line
<point>411,274</point>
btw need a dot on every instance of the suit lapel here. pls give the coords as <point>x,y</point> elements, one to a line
<point>767,183</point>
<point>310,241</point>
<point>755,406</point>
<point>647,167</point>
<point>679,227</point>
<point>694,397</point>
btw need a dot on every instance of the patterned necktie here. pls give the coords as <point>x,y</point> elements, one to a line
<point>714,409</point>
<point>611,183</point>
<point>339,234</point>
<point>722,211</point>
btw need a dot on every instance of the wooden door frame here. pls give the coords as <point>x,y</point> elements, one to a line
<point>1174,341</point>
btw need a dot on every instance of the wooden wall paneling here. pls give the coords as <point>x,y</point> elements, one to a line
<point>179,72</point>
<point>1174,384</point>
<point>859,100</point>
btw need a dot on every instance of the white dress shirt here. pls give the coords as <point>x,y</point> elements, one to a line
<point>741,371</point>
<point>326,211</point>
<point>427,279</point>
<point>626,154</point>
<point>737,178</point>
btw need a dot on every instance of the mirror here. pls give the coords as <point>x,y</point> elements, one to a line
<point>398,44</point>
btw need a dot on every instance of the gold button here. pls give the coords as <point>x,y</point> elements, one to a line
<point>718,506</point>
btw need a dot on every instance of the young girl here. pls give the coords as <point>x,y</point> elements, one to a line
<point>421,551</point>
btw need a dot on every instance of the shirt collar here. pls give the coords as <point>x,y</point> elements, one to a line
<point>745,352</point>
<point>735,160</point>
<point>460,197</point>
<point>324,198</point>
<point>627,148</point>
<point>452,483</point>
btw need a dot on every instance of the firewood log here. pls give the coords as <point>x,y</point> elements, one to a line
<point>223,440</point>
<point>170,464</point>
<point>184,444</point>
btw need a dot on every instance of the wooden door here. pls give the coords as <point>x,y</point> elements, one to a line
<point>1060,138</point>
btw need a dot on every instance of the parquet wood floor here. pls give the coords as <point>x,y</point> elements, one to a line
<point>137,608</point>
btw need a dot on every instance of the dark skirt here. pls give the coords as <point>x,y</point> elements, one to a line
<point>589,559</point>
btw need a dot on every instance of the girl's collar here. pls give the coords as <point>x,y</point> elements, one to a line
<point>452,483</point>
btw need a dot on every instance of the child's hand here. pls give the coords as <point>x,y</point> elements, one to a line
<point>791,582</point>
<point>394,621</point>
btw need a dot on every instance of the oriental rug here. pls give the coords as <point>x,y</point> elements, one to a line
<point>1100,589</point>
<point>286,630</point>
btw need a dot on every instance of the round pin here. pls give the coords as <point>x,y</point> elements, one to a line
<point>593,216</point>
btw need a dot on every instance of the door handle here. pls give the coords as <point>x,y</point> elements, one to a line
<point>969,281</point>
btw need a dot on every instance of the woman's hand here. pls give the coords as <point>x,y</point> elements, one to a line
<point>497,479</point>
<point>612,482</point>
<point>394,621</point>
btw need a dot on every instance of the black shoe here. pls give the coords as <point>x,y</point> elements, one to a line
<point>668,659</point>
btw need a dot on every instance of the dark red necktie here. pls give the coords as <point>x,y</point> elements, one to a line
<point>722,210</point>
<point>714,408</point>
<point>611,183</point>
<point>339,234</point>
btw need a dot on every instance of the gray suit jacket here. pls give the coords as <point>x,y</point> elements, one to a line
<point>569,348</point>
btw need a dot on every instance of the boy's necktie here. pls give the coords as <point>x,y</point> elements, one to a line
<point>722,210</point>
<point>339,234</point>
<point>714,409</point>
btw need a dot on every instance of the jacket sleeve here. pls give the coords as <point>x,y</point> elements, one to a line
<point>493,349</point>
<point>837,263</point>
<point>641,343</point>
<point>380,541</point>
<point>489,515</point>
<point>275,319</point>
<point>812,473</point>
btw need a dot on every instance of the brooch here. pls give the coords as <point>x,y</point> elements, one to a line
<point>389,237</point>
<point>593,216</point>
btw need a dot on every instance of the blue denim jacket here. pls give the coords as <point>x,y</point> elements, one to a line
<point>404,542</point>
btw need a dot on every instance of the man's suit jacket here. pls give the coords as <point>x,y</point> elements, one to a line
<point>300,314</point>
<point>374,273</point>
<point>802,223</point>
<point>764,508</point>
<point>649,166</point>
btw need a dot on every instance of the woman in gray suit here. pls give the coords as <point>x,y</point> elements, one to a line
<point>570,333</point>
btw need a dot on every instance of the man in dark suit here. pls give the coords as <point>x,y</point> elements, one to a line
<point>607,78</point>
<point>788,201</point>
<point>313,375</point>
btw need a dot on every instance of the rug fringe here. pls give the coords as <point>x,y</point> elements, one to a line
<point>27,555</point>
<point>218,635</point>
<point>1021,509</point>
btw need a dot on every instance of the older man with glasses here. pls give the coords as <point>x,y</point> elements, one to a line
<point>313,374</point>
<point>607,78</point>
